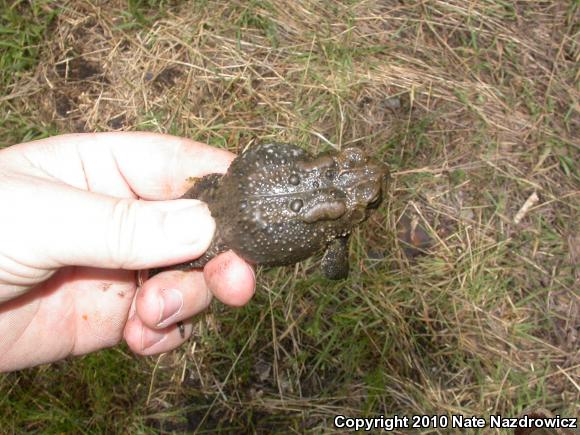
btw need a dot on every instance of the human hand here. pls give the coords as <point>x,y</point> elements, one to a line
<point>74,229</point>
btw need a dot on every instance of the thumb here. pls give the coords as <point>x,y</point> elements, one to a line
<point>68,226</point>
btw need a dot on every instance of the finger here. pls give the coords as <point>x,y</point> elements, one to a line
<point>68,226</point>
<point>148,165</point>
<point>148,341</point>
<point>230,279</point>
<point>172,296</point>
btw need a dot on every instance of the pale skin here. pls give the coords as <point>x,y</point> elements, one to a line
<point>79,216</point>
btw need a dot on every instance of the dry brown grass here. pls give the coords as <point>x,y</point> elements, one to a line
<point>475,105</point>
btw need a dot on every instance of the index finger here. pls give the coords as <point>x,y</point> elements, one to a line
<point>149,165</point>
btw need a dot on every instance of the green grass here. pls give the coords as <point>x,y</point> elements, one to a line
<point>75,396</point>
<point>22,29</point>
<point>483,324</point>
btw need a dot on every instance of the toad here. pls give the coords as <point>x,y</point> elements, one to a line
<point>277,205</point>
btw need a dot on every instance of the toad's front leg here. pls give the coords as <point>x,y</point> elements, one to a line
<point>335,261</point>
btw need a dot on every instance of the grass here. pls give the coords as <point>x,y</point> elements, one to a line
<point>474,106</point>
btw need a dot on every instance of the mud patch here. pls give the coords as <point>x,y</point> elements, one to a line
<point>79,69</point>
<point>117,122</point>
<point>63,104</point>
<point>166,78</point>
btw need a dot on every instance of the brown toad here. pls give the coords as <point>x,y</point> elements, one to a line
<point>277,205</point>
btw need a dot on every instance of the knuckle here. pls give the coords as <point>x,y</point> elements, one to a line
<point>122,234</point>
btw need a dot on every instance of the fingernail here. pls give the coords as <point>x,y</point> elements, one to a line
<point>254,277</point>
<point>170,305</point>
<point>192,224</point>
<point>150,338</point>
